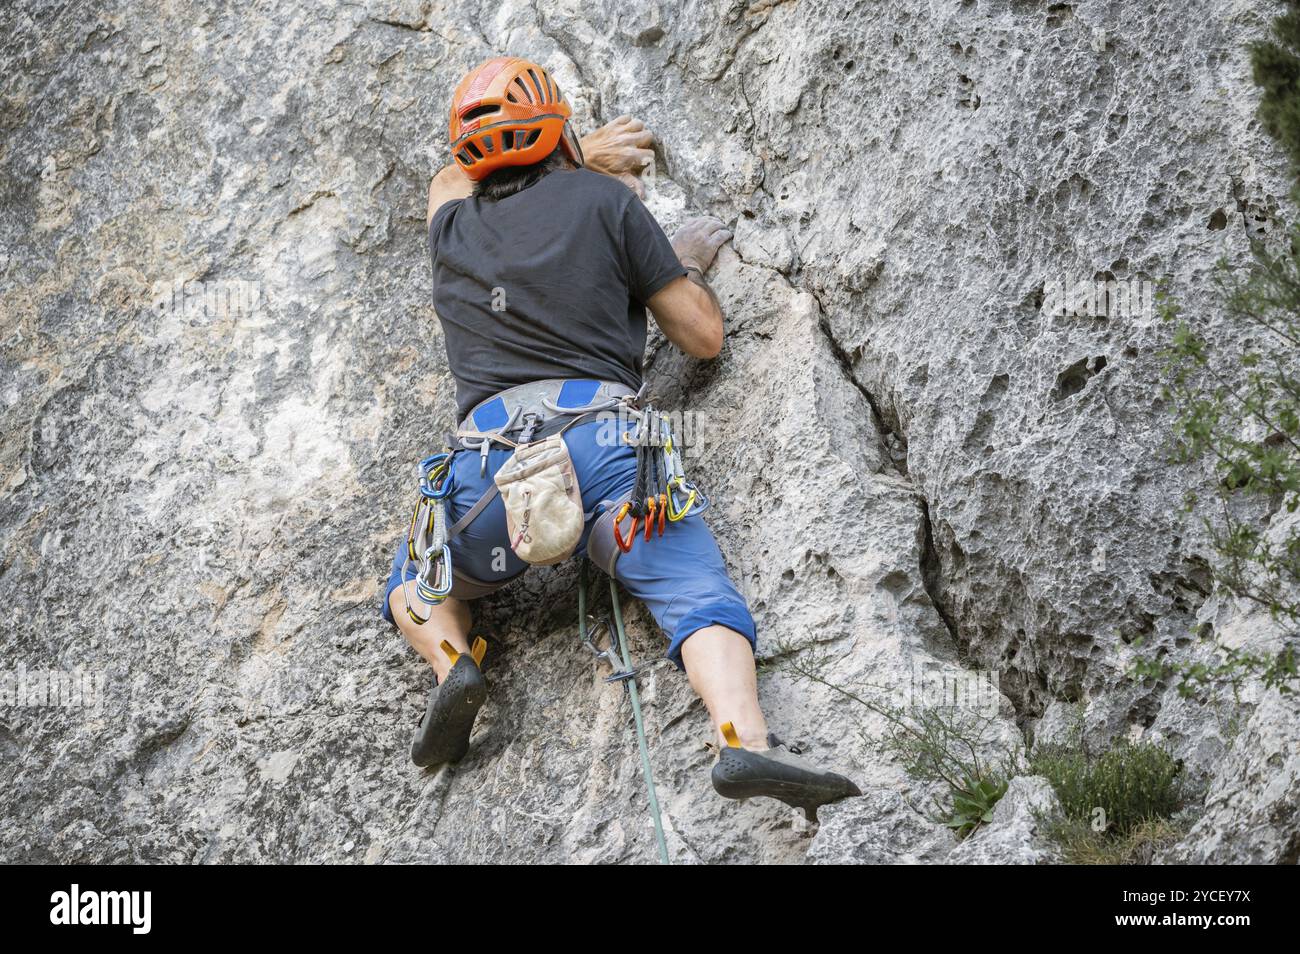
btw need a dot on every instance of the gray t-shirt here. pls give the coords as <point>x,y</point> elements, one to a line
<point>548,283</point>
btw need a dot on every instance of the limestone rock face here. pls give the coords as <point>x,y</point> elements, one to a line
<point>219,364</point>
<point>1252,812</point>
<point>1016,834</point>
<point>880,828</point>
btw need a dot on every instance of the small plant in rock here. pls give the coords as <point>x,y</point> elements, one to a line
<point>944,744</point>
<point>973,804</point>
<point>1232,667</point>
<point>1275,64</point>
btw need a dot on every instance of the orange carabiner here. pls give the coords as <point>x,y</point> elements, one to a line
<point>624,545</point>
<point>650,506</point>
<point>663,513</point>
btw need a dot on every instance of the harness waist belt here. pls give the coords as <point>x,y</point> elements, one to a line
<point>533,411</point>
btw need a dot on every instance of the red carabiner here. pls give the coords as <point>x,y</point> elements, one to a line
<point>624,545</point>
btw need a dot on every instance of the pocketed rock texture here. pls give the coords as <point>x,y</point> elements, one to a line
<point>921,470</point>
<point>1017,833</point>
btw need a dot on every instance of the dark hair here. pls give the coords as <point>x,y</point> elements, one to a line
<point>512,179</point>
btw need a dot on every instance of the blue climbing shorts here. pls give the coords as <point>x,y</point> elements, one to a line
<point>680,576</point>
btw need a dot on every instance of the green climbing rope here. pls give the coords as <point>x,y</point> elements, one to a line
<point>628,677</point>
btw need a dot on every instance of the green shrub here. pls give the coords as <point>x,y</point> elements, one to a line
<point>1116,792</point>
<point>1276,66</point>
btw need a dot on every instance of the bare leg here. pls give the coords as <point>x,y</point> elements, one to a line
<point>720,665</point>
<point>448,620</point>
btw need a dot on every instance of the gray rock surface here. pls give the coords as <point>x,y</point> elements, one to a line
<point>1016,835</point>
<point>1252,811</point>
<point>880,828</point>
<point>197,505</point>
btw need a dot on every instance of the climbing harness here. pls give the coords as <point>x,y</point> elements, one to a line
<point>619,657</point>
<point>516,418</point>
<point>536,485</point>
<point>527,419</point>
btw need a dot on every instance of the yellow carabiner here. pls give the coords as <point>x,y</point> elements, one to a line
<point>674,514</point>
<point>411,534</point>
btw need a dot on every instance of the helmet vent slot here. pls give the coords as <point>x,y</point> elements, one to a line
<point>474,150</point>
<point>541,93</point>
<point>523,88</point>
<point>532,137</point>
<point>478,112</point>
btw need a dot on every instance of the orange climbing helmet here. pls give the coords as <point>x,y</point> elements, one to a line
<point>508,112</point>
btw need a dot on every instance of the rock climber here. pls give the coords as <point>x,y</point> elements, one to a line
<point>544,263</point>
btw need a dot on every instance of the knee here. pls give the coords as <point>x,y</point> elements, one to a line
<point>724,619</point>
<point>438,617</point>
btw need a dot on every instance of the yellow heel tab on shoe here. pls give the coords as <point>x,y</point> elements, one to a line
<point>478,650</point>
<point>452,653</point>
<point>729,733</point>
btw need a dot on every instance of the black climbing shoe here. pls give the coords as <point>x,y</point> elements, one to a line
<point>443,733</point>
<point>777,772</point>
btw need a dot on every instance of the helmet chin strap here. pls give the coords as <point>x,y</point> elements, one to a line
<point>572,146</point>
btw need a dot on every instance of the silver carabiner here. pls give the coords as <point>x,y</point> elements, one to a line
<point>438,565</point>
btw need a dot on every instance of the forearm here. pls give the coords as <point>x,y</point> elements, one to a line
<point>695,275</point>
<point>687,312</point>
